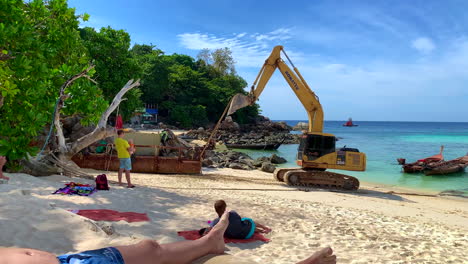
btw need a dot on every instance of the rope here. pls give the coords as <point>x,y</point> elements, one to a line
<point>109,153</point>
<point>51,128</point>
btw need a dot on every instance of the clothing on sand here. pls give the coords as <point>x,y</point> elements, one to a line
<point>77,189</point>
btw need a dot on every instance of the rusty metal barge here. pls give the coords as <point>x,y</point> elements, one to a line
<point>149,158</point>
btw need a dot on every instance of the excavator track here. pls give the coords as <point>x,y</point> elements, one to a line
<point>316,178</point>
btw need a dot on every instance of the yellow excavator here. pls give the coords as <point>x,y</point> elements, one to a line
<point>317,151</point>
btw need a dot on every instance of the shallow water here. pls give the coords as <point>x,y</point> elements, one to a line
<point>384,142</point>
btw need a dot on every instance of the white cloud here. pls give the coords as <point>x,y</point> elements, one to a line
<point>379,91</point>
<point>247,50</point>
<point>423,45</point>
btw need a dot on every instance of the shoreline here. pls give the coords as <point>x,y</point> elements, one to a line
<point>367,226</point>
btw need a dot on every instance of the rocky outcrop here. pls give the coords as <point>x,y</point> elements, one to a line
<point>239,160</point>
<point>301,126</point>
<point>267,167</point>
<point>277,159</point>
<point>263,132</point>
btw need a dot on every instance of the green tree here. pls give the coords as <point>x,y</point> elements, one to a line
<point>191,93</point>
<point>221,60</point>
<point>41,48</point>
<point>115,64</point>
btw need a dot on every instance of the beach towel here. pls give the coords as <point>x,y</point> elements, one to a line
<point>119,122</point>
<point>73,188</point>
<point>111,215</point>
<point>193,235</point>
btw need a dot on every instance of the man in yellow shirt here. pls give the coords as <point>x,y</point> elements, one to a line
<point>123,153</point>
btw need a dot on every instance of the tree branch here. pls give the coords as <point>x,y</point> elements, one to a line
<point>101,131</point>
<point>62,97</point>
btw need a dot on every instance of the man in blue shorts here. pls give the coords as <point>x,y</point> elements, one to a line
<point>239,228</point>
<point>124,151</point>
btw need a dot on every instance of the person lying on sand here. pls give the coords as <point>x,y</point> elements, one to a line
<point>145,252</point>
<point>2,162</point>
<point>239,228</point>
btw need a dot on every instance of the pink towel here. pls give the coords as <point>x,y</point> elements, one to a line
<point>111,215</point>
<point>193,235</point>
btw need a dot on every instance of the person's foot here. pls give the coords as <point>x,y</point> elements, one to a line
<point>323,256</point>
<point>131,186</point>
<point>2,162</point>
<point>216,234</point>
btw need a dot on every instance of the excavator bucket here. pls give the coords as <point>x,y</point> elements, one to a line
<point>238,101</point>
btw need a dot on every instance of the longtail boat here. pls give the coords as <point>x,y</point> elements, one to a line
<point>447,167</point>
<point>420,165</point>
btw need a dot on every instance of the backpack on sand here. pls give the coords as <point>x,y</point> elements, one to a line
<point>101,182</point>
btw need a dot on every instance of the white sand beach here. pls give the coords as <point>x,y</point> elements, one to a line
<point>368,226</point>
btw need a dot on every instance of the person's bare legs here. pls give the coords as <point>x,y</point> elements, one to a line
<point>150,252</point>
<point>119,176</point>
<point>2,162</point>
<point>129,182</point>
<point>261,228</point>
<point>26,256</point>
<point>323,256</point>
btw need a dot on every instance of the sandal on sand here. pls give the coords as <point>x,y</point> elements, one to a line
<point>131,186</point>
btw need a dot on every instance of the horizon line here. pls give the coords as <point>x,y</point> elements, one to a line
<point>373,121</point>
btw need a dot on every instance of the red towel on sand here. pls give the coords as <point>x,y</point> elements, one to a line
<point>111,215</point>
<point>193,235</point>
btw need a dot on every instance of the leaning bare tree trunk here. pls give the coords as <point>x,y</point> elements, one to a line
<point>50,163</point>
<point>101,131</point>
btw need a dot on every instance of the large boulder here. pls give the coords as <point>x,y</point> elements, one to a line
<point>238,166</point>
<point>301,126</point>
<point>268,167</point>
<point>277,159</point>
<point>229,124</point>
<point>207,162</point>
<point>259,161</point>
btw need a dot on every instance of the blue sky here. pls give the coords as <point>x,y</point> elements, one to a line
<point>370,60</point>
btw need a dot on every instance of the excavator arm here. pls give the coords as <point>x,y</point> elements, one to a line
<point>317,150</point>
<point>308,98</point>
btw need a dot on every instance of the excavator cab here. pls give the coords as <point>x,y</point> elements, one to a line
<point>317,151</point>
<point>314,146</point>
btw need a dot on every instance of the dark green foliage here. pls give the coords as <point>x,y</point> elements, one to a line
<point>115,64</point>
<point>42,49</point>
<point>191,93</point>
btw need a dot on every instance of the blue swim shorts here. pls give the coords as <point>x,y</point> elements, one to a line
<point>126,164</point>
<point>108,255</point>
<point>252,227</point>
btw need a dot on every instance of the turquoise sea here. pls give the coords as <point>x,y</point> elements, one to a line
<point>384,142</point>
